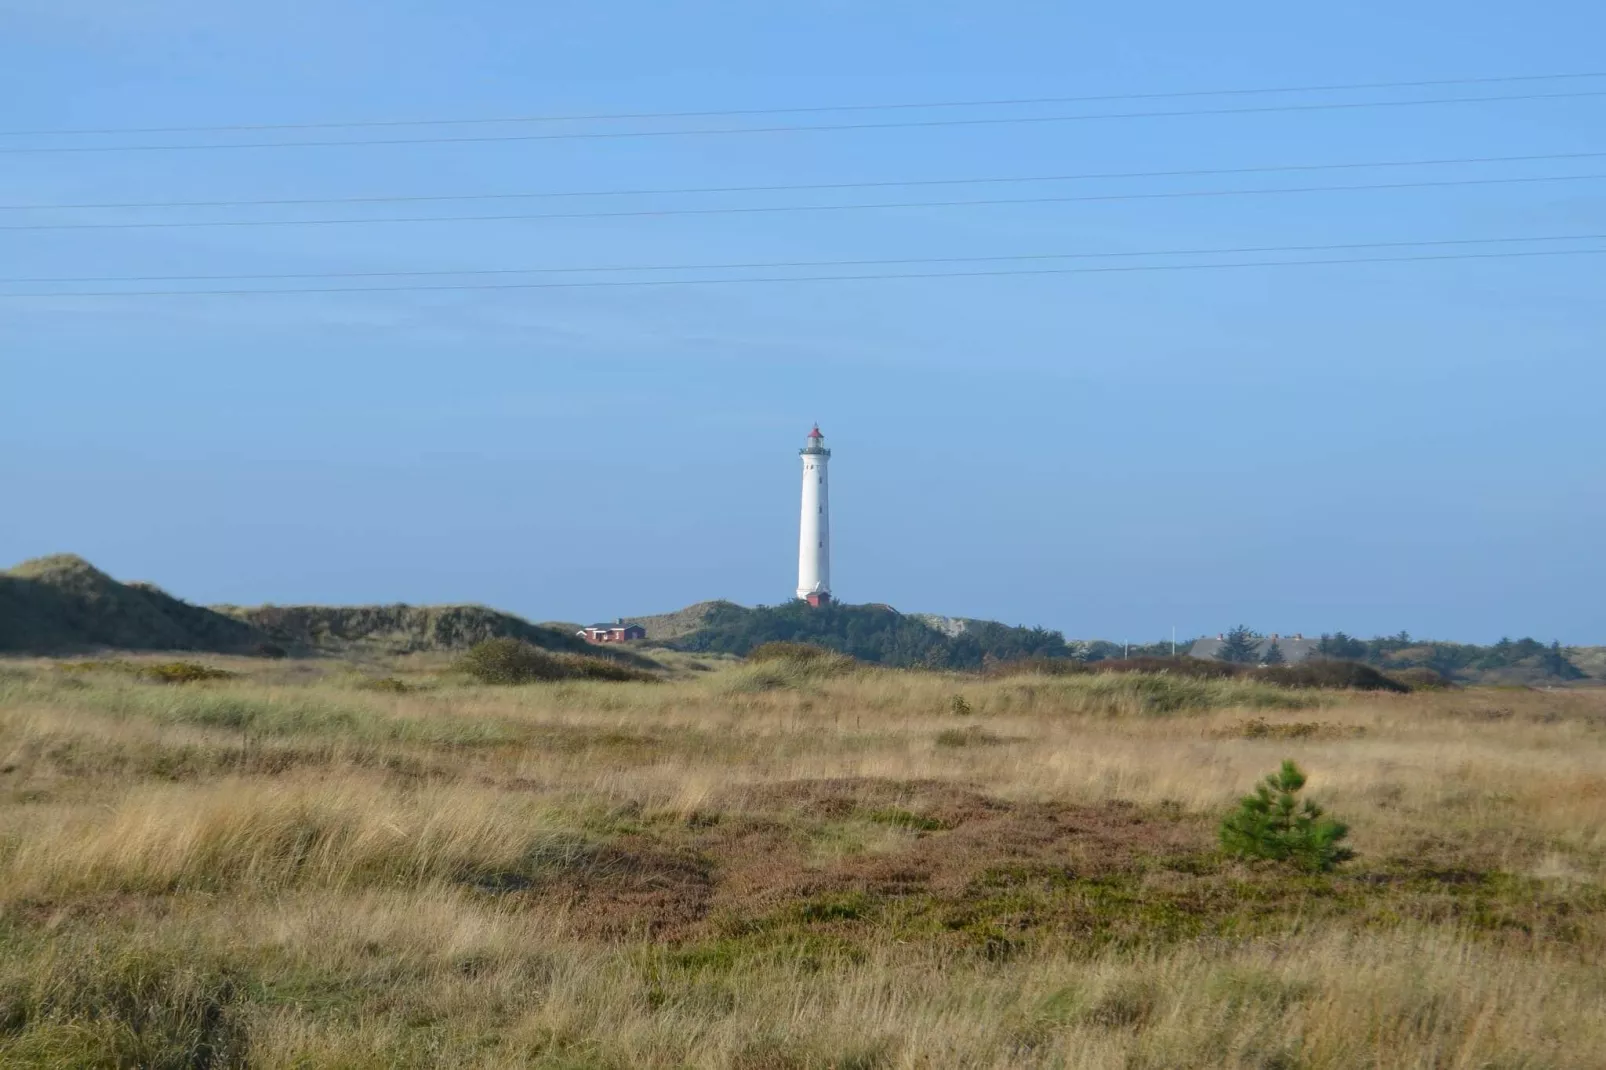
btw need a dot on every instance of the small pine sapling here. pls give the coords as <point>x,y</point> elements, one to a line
<point>1273,824</point>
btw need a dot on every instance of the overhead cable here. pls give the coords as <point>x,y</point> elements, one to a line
<point>806,109</point>
<point>765,209</point>
<point>1122,269</point>
<point>1089,176</point>
<point>778,264</point>
<point>594,135</point>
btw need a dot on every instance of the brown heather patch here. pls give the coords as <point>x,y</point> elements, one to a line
<point>762,862</point>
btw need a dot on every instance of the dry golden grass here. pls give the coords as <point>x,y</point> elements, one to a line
<point>771,867</point>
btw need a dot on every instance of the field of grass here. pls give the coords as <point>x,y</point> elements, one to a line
<point>773,866</point>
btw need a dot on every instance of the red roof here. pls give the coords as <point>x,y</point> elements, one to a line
<point>816,432</point>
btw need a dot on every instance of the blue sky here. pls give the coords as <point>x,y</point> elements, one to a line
<point>1367,447</point>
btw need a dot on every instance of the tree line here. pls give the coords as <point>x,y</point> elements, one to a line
<point>871,633</point>
<point>1242,645</point>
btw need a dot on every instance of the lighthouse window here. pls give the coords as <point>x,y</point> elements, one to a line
<point>822,510</point>
<point>822,544</point>
<point>822,481</point>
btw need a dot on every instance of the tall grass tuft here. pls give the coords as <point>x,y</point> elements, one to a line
<point>121,1004</point>
<point>247,833</point>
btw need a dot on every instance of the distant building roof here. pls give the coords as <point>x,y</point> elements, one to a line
<point>1295,648</point>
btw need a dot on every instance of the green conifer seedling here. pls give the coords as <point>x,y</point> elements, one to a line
<point>1274,824</point>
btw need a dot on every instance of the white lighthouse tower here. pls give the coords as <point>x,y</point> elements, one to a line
<point>814,533</point>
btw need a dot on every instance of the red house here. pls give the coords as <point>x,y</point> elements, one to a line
<point>618,632</point>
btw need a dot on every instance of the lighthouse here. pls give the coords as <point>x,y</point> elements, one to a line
<point>814,533</point>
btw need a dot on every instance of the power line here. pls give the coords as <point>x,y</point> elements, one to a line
<point>789,129</point>
<point>816,278</point>
<point>762,209</point>
<point>778,264</point>
<point>806,110</point>
<point>804,187</point>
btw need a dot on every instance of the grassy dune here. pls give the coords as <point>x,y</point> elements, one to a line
<point>772,866</point>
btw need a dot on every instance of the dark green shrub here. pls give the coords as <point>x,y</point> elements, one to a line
<point>269,650</point>
<point>509,661</point>
<point>513,661</point>
<point>1273,824</point>
<point>1351,675</point>
<point>182,672</point>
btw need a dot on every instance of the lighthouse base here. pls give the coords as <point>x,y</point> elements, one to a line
<point>818,598</point>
